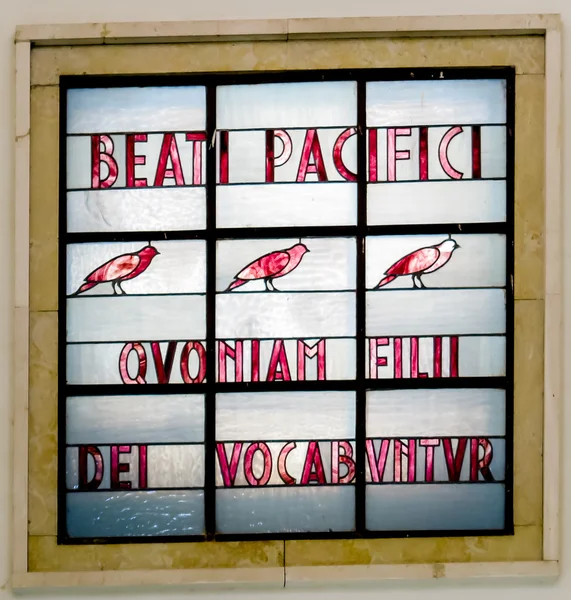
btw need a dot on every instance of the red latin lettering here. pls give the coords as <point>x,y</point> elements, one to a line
<point>303,351</point>
<point>255,349</point>
<point>454,356</point>
<point>376,361</point>
<point>429,445</point>
<point>273,161</point>
<point>397,347</point>
<point>224,144</point>
<point>377,464</point>
<point>443,153</point>
<point>249,466</point>
<point>279,367</point>
<point>476,151</point>
<point>373,155</point>
<point>437,357</point>
<point>337,459</point>
<point>184,360</point>
<point>454,462</point>
<point>392,153</point>
<point>196,137</point>
<point>282,466</point>
<point>236,354</point>
<point>482,465</point>
<point>409,450</point>
<point>163,369</point>
<point>118,467</point>
<point>99,155</point>
<point>414,359</point>
<point>169,151</point>
<point>423,153</point>
<point>338,154</point>
<point>84,484</point>
<point>133,159</point>
<point>311,147</point>
<point>313,466</point>
<point>141,364</point>
<point>229,471</point>
<point>143,467</point>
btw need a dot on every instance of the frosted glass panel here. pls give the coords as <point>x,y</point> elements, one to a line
<point>141,362</point>
<point>135,419</point>
<point>285,415</point>
<point>283,314</point>
<point>117,514</point>
<point>435,507</point>
<point>279,510</point>
<point>435,312</point>
<point>396,357</point>
<point>175,466</point>
<point>433,413</point>
<point>279,105</point>
<point>493,151</point>
<point>462,102</point>
<point>479,261</point>
<point>323,359</point>
<point>139,209</point>
<point>121,318</point>
<point>464,201</point>
<point>136,109</point>
<point>286,205</point>
<point>328,263</point>
<point>179,267</point>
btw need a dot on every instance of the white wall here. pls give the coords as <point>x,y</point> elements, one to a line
<point>15,12</point>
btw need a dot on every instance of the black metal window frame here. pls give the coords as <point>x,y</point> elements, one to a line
<point>211,234</point>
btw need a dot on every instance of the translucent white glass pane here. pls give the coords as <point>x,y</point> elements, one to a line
<point>286,205</point>
<point>438,102</point>
<point>281,314</point>
<point>175,466</point>
<point>179,267</point>
<point>247,464</point>
<point>139,513</point>
<point>99,363</point>
<point>120,318</point>
<point>326,263</point>
<point>283,510</point>
<point>436,460</point>
<point>436,312</point>
<point>285,415</point>
<point>436,356</point>
<point>139,209</point>
<point>493,151</point>
<point>286,359</point>
<point>435,507</point>
<point>134,419</point>
<point>480,260</point>
<point>433,413</point>
<point>136,109</point>
<point>280,105</point>
<point>462,201</point>
<point>145,163</point>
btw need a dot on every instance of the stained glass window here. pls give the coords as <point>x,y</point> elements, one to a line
<point>287,305</point>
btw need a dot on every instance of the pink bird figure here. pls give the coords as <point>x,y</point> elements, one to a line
<point>420,262</point>
<point>270,266</point>
<point>119,269</point>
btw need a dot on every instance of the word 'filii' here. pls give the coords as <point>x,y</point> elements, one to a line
<point>141,160</point>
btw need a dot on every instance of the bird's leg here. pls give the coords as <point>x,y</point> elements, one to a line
<point>113,286</point>
<point>267,282</point>
<point>414,282</point>
<point>122,290</point>
<point>420,281</point>
<point>273,288</point>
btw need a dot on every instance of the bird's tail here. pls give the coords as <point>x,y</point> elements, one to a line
<point>84,288</point>
<point>386,280</point>
<point>236,283</point>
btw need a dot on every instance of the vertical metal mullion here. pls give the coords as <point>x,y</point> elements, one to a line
<point>510,325</point>
<point>62,319</point>
<point>361,307</point>
<point>210,397</point>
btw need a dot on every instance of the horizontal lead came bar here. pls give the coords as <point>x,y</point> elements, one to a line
<point>135,514</point>
<point>135,419</point>
<point>285,510</point>
<point>427,202</point>
<point>285,415</point>
<point>137,209</point>
<point>171,108</point>
<point>444,507</point>
<point>423,312</point>
<point>119,318</point>
<point>278,314</point>
<point>169,267</point>
<point>435,102</point>
<point>436,412</point>
<point>287,205</point>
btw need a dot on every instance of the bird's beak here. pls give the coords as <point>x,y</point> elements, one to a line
<point>458,246</point>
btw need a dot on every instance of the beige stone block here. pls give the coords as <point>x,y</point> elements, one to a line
<point>44,172</point>
<point>527,54</point>
<point>528,412</point>
<point>524,545</point>
<point>50,62</point>
<point>42,442</point>
<point>529,187</point>
<point>46,555</point>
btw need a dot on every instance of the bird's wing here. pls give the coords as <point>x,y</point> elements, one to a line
<point>116,268</point>
<point>415,262</point>
<point>268,265</point>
